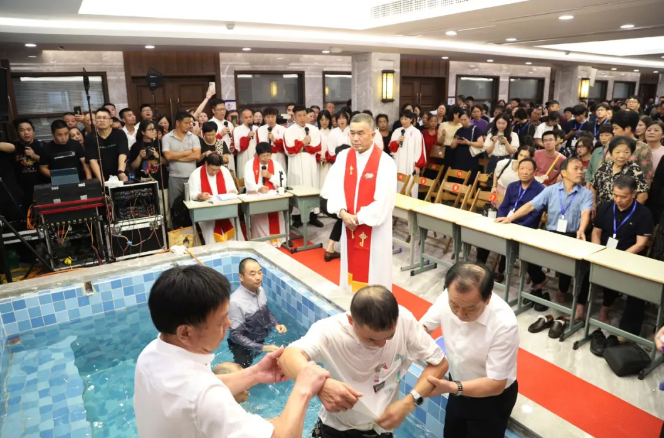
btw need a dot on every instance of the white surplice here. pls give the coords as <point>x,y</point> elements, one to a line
<point>324,166</point>
<point>278,132</point>
<point>409,153</point>
<point>240,132</point>
<point>195,189</point>
<point>377,215</point>
<point>260,224</point>
<point>302,166</point>
<point>228,139</point>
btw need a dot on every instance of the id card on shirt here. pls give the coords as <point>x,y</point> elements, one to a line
<point>493,214</point>
<point>511,213</point>
<point>612,243</point>
<point>562,225</point>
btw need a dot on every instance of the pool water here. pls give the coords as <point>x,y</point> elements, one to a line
<point>77,379</point>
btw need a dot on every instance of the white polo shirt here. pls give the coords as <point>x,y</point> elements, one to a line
<point>176,395</point>
<point>375,372</point>
<point>486,347</point>
<point>542,128</point>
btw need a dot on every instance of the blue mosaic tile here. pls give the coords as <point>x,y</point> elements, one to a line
<point>70,293</point>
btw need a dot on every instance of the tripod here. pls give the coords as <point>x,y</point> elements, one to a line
<point>154,80</point>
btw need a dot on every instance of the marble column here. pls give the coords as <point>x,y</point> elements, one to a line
<point>368,86</point>
<point>568,78</point>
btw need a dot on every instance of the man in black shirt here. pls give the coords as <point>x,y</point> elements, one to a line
<point>112,144</point>
<point>63,153</point>
<point>626,225</point>
<point>27,155</point>
<point>658,113</point>
<point>209,144</point>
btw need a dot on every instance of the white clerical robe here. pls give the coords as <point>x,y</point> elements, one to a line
<point>240,139</point>
<point>378,139</point>
<point>278,132</point>
<point>337,138</point>
<point>260,223</point>
<point>302,165</point>
<point>377,215</point>
<point>195,189</point>
<point>410,154</point>
<point>228,139</point>
<point>324,166</point>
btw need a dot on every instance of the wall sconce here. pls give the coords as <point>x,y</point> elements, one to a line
<point>584,88</point>
<point>327,91</point>
<point>388,86</point>
<point>273,89</point>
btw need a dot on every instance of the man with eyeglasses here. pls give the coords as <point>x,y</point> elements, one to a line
<point>111,143</point>
<point>548,160</point>
<point>224,133</point>
<point>146,112</point>
<point>634,104</point>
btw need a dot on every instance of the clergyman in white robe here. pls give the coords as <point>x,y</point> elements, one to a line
<point>278,151</point>
<point>302,165</point>
<point>260,223</point>
<point>226,139</point>
<point>242,140</point>
<point>408,155</point>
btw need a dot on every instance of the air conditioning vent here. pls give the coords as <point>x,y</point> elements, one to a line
<point>406,6</point>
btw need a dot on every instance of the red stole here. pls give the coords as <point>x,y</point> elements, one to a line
<point>273,218</point>
<point>223,229</point>
<point>358,242</point>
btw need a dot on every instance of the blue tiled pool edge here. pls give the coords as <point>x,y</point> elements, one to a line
<point>71,303</point>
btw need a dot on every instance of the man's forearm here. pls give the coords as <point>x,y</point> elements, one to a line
<point>192,155</point>
<point>636,248</point>
<point>585,220</point>
<point>175,156</point>
<point>523,211</point>
<point>122,162</point>
<point>240,381</point>
<point>290,423</point>
<point>483,387</point>
<point>94,166</point>
<point>292,361</point>
<point>423,387</point>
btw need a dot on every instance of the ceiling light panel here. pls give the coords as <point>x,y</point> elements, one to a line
<point>624,47</point>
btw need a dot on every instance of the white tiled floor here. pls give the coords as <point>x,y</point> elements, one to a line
<point>643,394</point>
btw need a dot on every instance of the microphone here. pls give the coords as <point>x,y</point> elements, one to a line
<point>263,167</point>
<point>281,180</point>
<point>269,129</point>
<point>403,132</point>
<point>306,131</point>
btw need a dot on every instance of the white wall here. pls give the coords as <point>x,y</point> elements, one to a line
<point>504,71</point>
<point>312,65</point>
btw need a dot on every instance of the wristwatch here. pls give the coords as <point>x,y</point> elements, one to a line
<point>417,398</point>
<point>121,171</point>
<point>459,389</point>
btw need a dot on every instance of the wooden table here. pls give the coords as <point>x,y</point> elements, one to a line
<point>404,208</point>
<point>443,220</point>
<point>484,232</point>
<point>262,204</point>
<point>564,255</point>
<point>306,199</point>
<point>634,275</point>
<point>212,210</point>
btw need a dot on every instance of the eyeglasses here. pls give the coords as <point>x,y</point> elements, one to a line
<point>103,118</point>
<point>151,129</point>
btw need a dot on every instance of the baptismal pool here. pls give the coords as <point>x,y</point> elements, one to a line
<point>96,356</point>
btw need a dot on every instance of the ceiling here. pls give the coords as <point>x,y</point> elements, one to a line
<point>481,31</point>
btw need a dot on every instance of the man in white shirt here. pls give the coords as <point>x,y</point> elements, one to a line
<point>550,124</point>
<point>481,342</point>
<point>368,352</point>
<point>177,395</point>
<point>224,130</point>
<point>129,119</point>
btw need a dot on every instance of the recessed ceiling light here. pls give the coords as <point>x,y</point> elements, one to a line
<point>627,26</point>
<point>622,74</point>
<point>34,56</point>
<point>149,47</point>
<point>510,39</point>
<point>447,57</point>
<point>450,33</point>
<point>246,49</point>
<point>534,69</point>
<point>614,69</point>
<point>529,63</point>
<point>655,71</point>
<point>280,58</point>
<point>477,69</point>
<point>489,60</point>
<point>636,70</point>
<point>326,51</point>
<point>30,45</point>
<point>566,17</point>
<point>472,65</point>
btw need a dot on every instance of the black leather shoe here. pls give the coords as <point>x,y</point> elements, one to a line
<point>558,328</point>
<point>329,256</point>
<point>541,307</point>
<point>612,341</point>
<point>313,220</point>
<point>597,342</point>
<point>297,221</point>
<point>542,323</point>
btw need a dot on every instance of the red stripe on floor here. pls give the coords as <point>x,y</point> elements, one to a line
<point>582,404</point>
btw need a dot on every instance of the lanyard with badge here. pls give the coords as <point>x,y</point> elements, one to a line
<point>525,125</point>
<point>562,222</point>
<point>597,125</point>
<point>522,192</point>
<point>612,243</point>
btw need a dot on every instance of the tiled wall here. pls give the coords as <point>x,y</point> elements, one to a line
<point>56,307</point>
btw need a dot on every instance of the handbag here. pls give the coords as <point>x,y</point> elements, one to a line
<point>437,151</point>
<point>626,359</point>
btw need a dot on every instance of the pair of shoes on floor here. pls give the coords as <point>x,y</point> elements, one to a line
<point>313,220</point>
<point>556,326</point>
<point>297,221</point>
<point>538,293</point>
<point>329,256</point>
<point>599,342</point>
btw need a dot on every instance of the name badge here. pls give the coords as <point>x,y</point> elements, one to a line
<point>562,225</point>
<point>493,214</point>
<point>612,243</point>
<point>511,213</point>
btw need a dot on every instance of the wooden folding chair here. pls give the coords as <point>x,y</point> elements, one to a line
<point>483,197</point>
<point>484,163</point>
<point>402,177</point>
<point>652,240</point>
<point>481,181</point>
<point>239,183</point>
<point>449,192</point>
<point>432,187</point>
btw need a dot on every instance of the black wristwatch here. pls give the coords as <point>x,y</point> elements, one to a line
<point>121,172</point>
<point>417,398</point>
<point>459,389</point>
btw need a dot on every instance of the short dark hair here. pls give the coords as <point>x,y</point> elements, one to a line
<point>263,147</point>
<point>143,106</point>
<point>68,113</point>
<point>625,182</point>
<point>515,99</point>
<point>343,114</point>
<point>606,128</point>
<point>565,164</point>
<point>186,295</point>
<point>375,307</point>
<point>551,103</point>
<point>529,160</point>
<point>214,159</point>
<point>635,97</point>
<point>470,98</point>
<point>469,275</point>
<point>382,116</point>
<point>209,127</point>
<point>407,114</point>
<point>520,114</point>
<point>625,119</point>
<point>116,120</point>
<point>619,141</point>
<point>123,111</point>
<point>181,115</point>
<point>586,141</point>
<point>324,113</point>
<point>289,104</point>
<point>298,108</point>
<point>554,115</point>
<point>526,147</point>
<point>315,106</point>
<point>271,111</point>
<point>103,110</point>
<point>215,102</point>
<point>18,122</point>
<point>554,133</point>
<point>579,110</point>
<point>58,124</point>
<point>109,104</point>
<point>243,262</point>
<point>368,112</point>
<point>602,105</point>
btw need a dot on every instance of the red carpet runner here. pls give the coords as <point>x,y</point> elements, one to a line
<point>582,404</point>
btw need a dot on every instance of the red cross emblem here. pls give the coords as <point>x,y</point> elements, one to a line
<point>493,197</point>
<point>460,174</point>
<point>455,188</point>
<point>400,177</point>
<point>423,181</point>
<point>256,173</point>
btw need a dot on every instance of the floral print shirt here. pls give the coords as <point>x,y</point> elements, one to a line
<point>641,156</point>
<point>604,177</point>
